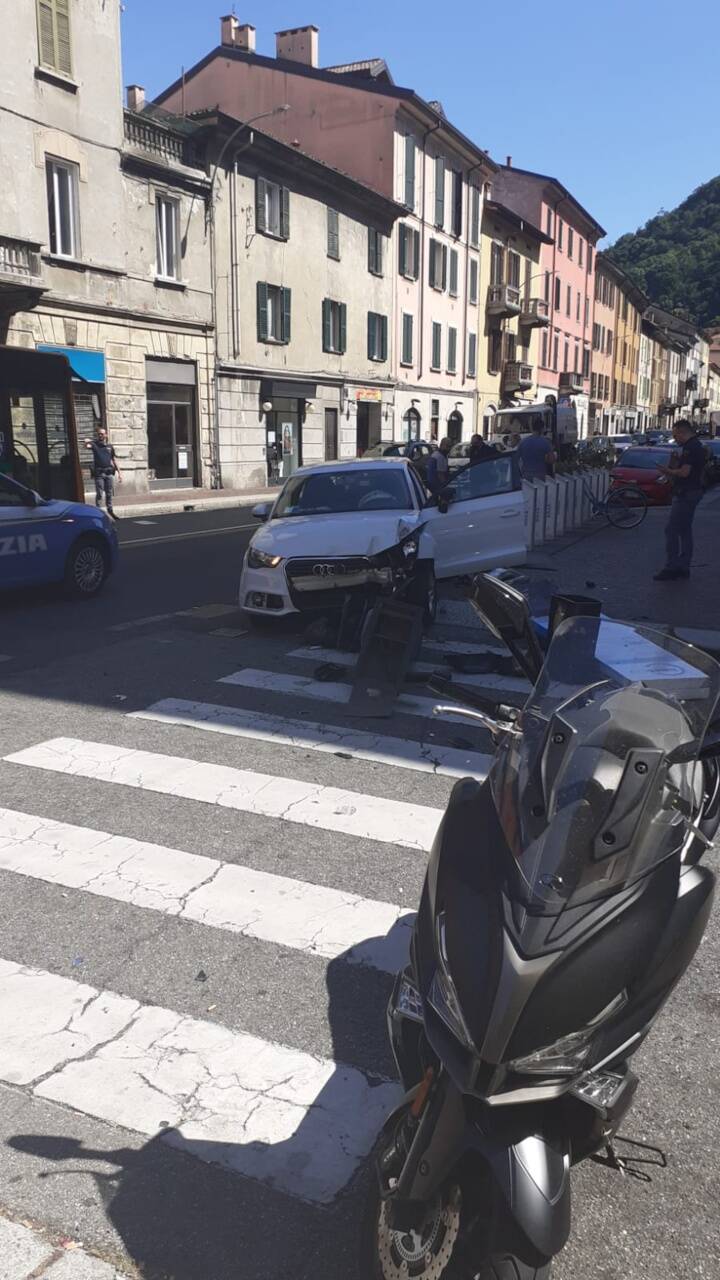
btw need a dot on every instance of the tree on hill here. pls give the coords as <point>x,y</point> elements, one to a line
<point>675,257</point>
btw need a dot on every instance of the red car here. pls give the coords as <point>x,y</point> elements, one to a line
<point>639,465</point>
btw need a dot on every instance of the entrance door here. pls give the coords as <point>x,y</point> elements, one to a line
<point>369,426</point>
<point>171,436</point>
<point>285,421</point>
<point>331,435</point>
<point>455,426</point>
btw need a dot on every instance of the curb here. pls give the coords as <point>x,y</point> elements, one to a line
<point>173,506</point>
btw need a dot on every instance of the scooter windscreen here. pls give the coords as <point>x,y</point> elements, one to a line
<point>602,781</point>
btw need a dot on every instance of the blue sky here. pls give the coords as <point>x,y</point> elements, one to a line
<point>616,100</point>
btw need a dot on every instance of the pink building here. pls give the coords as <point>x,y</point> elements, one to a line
<point>567,270</point>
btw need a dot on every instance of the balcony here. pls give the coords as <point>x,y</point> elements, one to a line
<point>572,384</point>
<point>702,402</point>
<point>691,382</point>
<point>164,143</point>
<point>517,376</point>
<point>534,312</point>
<point>22,283</point>
<point>503,300</point>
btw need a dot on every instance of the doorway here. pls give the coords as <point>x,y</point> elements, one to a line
<point>171,436</point>
<point>455,426</point>
<point>369,426</point>
<point>331,435</point>
<point>283,438</point>
<point>411,424</point>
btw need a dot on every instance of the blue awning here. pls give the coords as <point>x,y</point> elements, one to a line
<point>89,365</point>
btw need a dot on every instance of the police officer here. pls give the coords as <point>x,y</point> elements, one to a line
<point>105,469</point>
<point>686,474</point>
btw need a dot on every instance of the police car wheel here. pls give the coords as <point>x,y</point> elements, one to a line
<point>86,569</point>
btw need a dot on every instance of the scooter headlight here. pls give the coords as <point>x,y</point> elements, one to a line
<point>568,1055</point>
<point>442,995</point>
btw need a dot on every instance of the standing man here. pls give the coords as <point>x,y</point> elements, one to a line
<point>480,449</point>
<point>438,470</point>
<point>535,453</point>
<point>687,478</point>
<point>105,469</point>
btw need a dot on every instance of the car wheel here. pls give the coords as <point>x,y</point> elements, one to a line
<point>86,568</point>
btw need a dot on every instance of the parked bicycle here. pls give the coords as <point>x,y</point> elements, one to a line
<point>624,507</point>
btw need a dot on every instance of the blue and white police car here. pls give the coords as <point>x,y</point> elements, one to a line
<point>53,540</point>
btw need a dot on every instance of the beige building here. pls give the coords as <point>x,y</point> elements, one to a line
<point>104,253</point>
<point>515,312</point>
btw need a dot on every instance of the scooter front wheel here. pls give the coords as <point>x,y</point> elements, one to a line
<point>507,1267</point>
<point>423,1254</point>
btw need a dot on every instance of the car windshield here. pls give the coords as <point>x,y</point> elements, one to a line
<point>347,489</point>
<point>587,797</point>
<point>646,459</point>
<point>460,450</point>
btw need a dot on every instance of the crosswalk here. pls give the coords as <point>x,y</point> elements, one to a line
<point>266,757</point>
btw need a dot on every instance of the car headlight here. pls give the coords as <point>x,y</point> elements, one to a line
<point>262,559</point>
<point>662,480</point>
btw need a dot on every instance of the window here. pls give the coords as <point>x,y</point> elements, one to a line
<point>568,300</point>
<point>473,281</point>
<point>167,223</point>
<point>593,387</point>
<point>581,250</point>
<point>410,172</point>
<point>62,188</point>
<point>494,475</point>
<point>272,209</point>
<point>596,338</point>
<point>586,362</point>
<point>438,265</point>
<point>571,242</point>
<point>548,222</point>
<point>556,343</point>
<point>439,192</point>
<point>497,260</point>
<point>457,204</point>
<point>510,346</point>
<point>375,252</point>
<point>577,309</point>
<point>547,287</point>
<point>589,262</point>
<point>472,355</point>
<point>453,286</point>
<point>334,321</point>
<point>566,358</point>
<point>557,293</point>
<point>514,269</point>
<point>409,252</point>
<point>560,234</point>
<point>475,216</point>
<point>377,336</point>
<point>333,234</point>
<point>544,350</point>
<point>587,312</point>
<point>495,351</point>
<point>273,313</point>
<point>407,339</point>
<point>576,365</point>
<point>53,22</point>
<point>452,350</point>
<point>434,418</point>
<point>609,342</point>
<point>436,359</point>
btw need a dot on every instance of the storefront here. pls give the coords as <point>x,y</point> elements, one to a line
<point>88,382</point>
<point>283,405</point>
<point>38,442</point>
<point>369,418</point>
<point>171,424</point>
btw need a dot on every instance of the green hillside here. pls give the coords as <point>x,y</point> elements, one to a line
<point>675,257</point>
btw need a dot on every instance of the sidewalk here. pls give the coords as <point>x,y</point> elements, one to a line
<point>173,500</point>
<point>28,1254</point>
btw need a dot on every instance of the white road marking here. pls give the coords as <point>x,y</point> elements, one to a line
<point>300,1123</point>
<point>207,611</point>
<point>144,521</point>
<point>291,913</point>
<point>141,622</point>
<point>462,646</point>
<point>183,537</point>
<point>229,633</point>
<point>341,658</point>
<point>313,805</point>
<point>282,682</point>
<point>402,753</point>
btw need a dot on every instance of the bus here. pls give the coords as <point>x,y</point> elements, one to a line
<point>38,433</point>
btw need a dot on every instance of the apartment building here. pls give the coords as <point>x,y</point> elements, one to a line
<point>630,306</point>
<point>602,360</point>
<point>567,264</point>
<point>104,254</point>
<point>516,314</point>
<point>353,118</point>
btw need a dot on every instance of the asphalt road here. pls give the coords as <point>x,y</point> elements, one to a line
<point>167,628</point>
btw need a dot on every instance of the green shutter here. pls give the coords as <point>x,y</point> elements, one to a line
<point>372,251</point>
<point>333,232</point>
<point>326,325</point>
<point>439,191</point>
<point>403,248</point>
<point>383,337</point>
<point>262,311</point>
<point>260,188</point>
<point>284,213</point>
<point>410,172</point>
<point>285,299</point>
<point>343,328</point>
<point>453,272</point>
<point>378,252</point>
<point>452,350</point>
<point>432,263</point>
<point>444,266</point>
<point>371,335</point>
<point>416,254</point>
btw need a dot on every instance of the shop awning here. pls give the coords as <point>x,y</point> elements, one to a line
<point>87,365</point>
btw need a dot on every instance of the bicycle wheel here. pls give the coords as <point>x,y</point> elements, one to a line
<point>627,507</point>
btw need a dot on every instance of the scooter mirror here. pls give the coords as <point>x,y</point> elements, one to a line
<point>506,613</point>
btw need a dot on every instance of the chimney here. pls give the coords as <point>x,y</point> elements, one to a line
<point>135,97</point>
<point>237,35</point>
<point>300,44</point>
<point>508,162</point>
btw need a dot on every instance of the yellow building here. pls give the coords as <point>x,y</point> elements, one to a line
<point>515,302</point>
<point>630,306</point>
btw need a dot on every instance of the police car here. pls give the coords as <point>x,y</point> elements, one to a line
<point>44,541</point>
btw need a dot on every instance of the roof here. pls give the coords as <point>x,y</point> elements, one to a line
<point>528,228</point>
<point>546,177</point>
<point>360,80</point>
<point>628,286</point>
<point>366,67</point>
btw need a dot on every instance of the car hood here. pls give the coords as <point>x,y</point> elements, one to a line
<point>358,533</point>
<point>56,508</point>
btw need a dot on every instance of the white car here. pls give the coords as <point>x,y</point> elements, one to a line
<point>332,525</point>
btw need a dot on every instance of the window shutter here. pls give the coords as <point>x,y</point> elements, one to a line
<point>453,271</point>
<point>286,298</point>
<point>327,334</point>
<point>402,249</point>
<point>433,260</point>
<point>444,266</point>
<point>416,254</point>
<point>383,337</point>
<point>262,311</point>
<point>410,172</point>
<point>371,336</point>
<point>46,33</point>
<point>260,189</point>
<point>62,29</point>
<point>439,191</point>
<point>333,233</point>
<point>343,327</point>
<point>372,251</point>
<point>284,213</point>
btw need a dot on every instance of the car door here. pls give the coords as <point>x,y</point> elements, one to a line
<point>27,546</point>
<point>484,525</point>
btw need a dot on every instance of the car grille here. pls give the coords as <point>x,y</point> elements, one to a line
<point>322,583</point>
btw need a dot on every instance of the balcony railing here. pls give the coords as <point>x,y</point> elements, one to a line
<point>691,382</point>
<point>19,260</point>
<point>535,311</point>
<point>571,383</point>
<point>503,300</point>
<point>159,141</point>
<point>517,376</point>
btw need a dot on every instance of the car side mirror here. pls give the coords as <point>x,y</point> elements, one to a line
<point>30,498</point>
<point>445,498</point>
<point>262,511</point>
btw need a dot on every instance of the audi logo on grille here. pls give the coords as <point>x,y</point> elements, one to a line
<point>327,570</point>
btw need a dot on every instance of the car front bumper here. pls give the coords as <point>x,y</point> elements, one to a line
<point>264,592</point>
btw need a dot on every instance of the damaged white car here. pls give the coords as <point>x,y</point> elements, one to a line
<point>347,527</point>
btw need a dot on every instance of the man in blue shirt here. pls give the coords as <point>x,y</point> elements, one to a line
<point>105,469</point>
<point>687,477</point>
<point>536,454</point>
